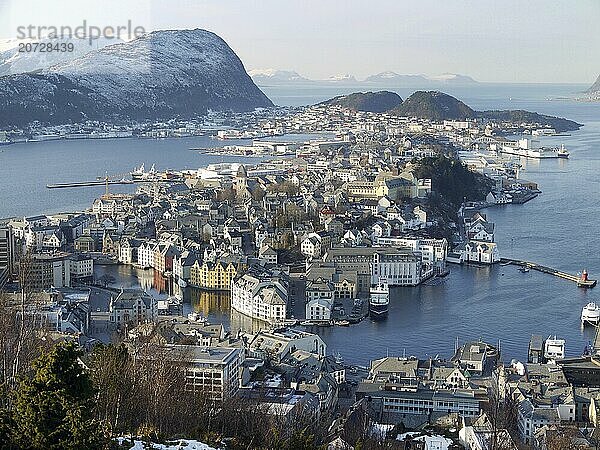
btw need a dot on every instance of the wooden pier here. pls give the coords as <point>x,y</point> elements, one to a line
<point>581,281</point>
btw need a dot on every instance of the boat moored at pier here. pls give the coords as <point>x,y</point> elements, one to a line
<point>379,300</point>
<point>590,315</point>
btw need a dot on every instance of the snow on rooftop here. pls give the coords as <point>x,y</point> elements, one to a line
<point>434,442</point>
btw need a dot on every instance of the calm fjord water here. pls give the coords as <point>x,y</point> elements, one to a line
<point>559,229</point>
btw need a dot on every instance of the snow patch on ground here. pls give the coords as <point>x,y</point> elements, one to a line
<point>182,444</point>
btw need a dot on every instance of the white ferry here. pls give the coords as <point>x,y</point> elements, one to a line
<point>590,314</point>
<point>380,300</point>
<point>45,137</point>
<point>530,149</point>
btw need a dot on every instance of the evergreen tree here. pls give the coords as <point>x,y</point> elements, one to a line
<point>5,420</point>
<point>53,408</point>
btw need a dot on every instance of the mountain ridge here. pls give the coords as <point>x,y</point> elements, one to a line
<point>161,74</point>
<point>378,102</point>
<point>434,105</point>
<point>383,79</point>
<point>13,61</point>
<point>438,106</point>
<point>595,88</point>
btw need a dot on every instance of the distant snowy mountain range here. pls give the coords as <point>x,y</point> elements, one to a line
<point>383,79</point>
<point>275,75</point>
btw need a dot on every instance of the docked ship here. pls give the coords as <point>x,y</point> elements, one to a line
<point>527,148</point>
<point>140,173</point>
<point>590,315</point>
<point>554,348</point>
<point>379,300</point>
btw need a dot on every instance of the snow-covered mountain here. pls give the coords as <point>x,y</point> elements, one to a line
<point>452,78</point>
<point>395,79</point>
<point>344,78</point>
<point>595,88</point>
<point>265,76</point>
<point>162,74</point>
<point>13,61</point>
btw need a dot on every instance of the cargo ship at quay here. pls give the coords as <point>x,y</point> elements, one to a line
<point>528,148</point>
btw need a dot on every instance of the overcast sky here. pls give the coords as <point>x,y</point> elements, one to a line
<point>490,40</point>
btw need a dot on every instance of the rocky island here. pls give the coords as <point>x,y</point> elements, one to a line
<point>435,105</point>
<point>378,102</point>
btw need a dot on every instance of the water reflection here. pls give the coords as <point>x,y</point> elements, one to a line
<point>145,278</point>
<point>216,306</point>
<point>208,303</point>
<point>129,277</point>
<point>241,322</point>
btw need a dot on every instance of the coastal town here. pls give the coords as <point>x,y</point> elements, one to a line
<point>317,233</point>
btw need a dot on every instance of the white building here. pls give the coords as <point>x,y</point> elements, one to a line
<point>401,268</point>
<point>480,435</point>
<point>319,299</point>
<point>145,255</point>
<point>128,251</point>
<point>132,307</point>
<point>36,236</point>
<point>480,252</point>
<point>81,266</point>
<point>182,264</point>
<point>278,344</point>
<point>311,246</point>
<point>531,417</point>
<point>433,251</point>
<point>50,270</point>
<point>261,299</point>
<point>481,230</point>
<point>268,254</point>
<point>215,371</point>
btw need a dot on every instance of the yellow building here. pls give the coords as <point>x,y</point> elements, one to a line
<point>214,276</point>
<point>394,187</point>
<point>384,185</point>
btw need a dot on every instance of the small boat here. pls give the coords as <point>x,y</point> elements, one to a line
<point>590,314</point>
<point>524,269</point>
<point>562,153</point>
<point>554,348</point>
<point>342,323</point>
<point>379,301</point>
<point>195,317</point>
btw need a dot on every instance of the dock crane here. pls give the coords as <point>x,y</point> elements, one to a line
<point>107,179</point>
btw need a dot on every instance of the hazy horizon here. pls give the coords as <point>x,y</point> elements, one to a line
<point>540,41</point>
